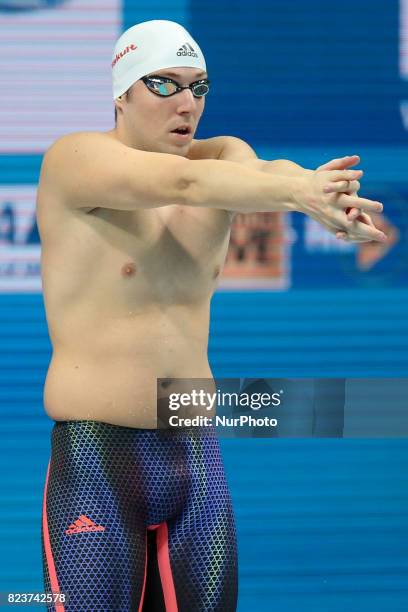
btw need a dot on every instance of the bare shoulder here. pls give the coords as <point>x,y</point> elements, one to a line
<point>58,162</point>
<point>68,143</point>
<point>80,167</point>
<point>62,148</point>
<point>227,148</point>
<point>207,148</point>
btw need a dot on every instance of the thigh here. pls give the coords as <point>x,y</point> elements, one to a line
<point>94,544</point>
<point>203,561</point>
<point>201,540</point>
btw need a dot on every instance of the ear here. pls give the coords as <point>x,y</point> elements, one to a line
<point>118,103</point>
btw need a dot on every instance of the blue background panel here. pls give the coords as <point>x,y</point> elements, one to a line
<point>303,72</point>
<point>322,524</point>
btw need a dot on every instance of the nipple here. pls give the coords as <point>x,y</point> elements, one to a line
<point>128,269</point>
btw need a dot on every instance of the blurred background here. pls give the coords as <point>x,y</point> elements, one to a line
<point>322,523</point>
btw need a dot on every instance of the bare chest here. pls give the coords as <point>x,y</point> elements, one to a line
<point>179,250</point>
<point>167,255</point>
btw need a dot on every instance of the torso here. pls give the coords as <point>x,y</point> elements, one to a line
<point>127,297</point>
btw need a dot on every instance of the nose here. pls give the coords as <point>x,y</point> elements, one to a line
<point>186,101</point>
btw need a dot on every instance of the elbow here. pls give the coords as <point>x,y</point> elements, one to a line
<point>188,189</point>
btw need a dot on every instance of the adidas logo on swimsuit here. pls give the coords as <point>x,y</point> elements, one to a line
<point>82,525</point>
<point>187,49</point>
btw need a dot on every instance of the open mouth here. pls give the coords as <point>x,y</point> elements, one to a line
<point>182,131</point>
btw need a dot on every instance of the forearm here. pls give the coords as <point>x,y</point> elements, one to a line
<point>238,187</point>
<point>327,212</point>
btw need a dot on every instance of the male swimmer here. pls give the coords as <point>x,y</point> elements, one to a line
<point>135,224</point>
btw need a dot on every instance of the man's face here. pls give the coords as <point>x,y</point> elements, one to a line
<point>149,119</point>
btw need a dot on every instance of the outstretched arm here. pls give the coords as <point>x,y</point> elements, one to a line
<point>360,225</point>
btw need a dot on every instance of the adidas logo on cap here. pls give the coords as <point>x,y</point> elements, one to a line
<point>187,49</point>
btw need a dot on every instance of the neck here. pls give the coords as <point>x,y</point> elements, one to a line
<point>119,133</point>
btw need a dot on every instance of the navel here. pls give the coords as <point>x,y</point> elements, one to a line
<point>128,269</point>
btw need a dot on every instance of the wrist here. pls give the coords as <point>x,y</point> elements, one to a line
<point>299,189</point>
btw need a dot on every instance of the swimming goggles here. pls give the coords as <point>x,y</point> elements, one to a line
<point>163,86</point>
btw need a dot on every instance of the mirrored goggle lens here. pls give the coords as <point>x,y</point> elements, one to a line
<point>165,88</point>
<point>162,87</point>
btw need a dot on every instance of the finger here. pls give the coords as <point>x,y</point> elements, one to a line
<point>333,164</point>
<point>356,240</point>
<point>353,160</point>
<point>368,222</point>
<point>339,187</point>
<point>349,187</point>
<point>347,201</point>
<point>344,175</point>
<point>354,186</point>
<point>353,214</point>
<point>364,218</point>
<point>362,230</point>
<point>340,163</point>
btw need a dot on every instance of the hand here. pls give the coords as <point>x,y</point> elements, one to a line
<point>327,203</point>
<point>354,234</point>
<point>353,187</point>
<point>353,214</point>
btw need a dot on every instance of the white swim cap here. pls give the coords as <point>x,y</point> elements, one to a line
<point>149,46</point>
